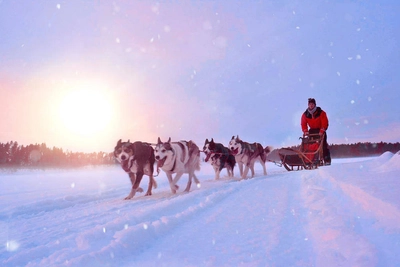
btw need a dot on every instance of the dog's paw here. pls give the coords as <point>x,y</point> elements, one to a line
<point>128,197</point>
<point>139,189</point>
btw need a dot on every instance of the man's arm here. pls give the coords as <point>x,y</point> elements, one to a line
<point>324,122</point>
<point>303,123</point>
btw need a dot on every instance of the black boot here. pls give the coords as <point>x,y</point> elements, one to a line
<point>327,160</point>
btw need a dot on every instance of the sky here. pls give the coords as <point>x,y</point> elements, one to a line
<point>346,214</point>
<point>80,75</point>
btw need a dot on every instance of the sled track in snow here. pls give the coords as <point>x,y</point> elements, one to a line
<point>329,202</point>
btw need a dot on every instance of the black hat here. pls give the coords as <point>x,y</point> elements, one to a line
<point>311,100</point>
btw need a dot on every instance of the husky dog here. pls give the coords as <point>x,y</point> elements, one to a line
<point>136,159</point>
<point>220,157</point>
<point>179,158</point>
<point>247,154</point>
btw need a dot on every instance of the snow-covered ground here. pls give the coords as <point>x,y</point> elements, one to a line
<point>346,214</point>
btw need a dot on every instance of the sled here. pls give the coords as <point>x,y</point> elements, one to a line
<point>309,156</point>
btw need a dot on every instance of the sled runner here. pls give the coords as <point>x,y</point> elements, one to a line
<point>309,156</point>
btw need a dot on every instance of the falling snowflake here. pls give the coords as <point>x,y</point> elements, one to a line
<point>12,245</point>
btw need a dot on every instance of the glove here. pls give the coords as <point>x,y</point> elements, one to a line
<point>305,133</point>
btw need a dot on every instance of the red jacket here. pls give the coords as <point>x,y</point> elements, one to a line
<point>318,120</point>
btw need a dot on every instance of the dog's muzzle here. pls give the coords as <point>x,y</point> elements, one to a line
<point>160,161</point>
<point>234,151</point>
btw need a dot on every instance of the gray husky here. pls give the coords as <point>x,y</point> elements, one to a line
<point>178,158</point>
<point>246,154</point>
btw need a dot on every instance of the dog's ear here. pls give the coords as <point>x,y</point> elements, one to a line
<point>159,141</point>
<point>118,145</point>
<point>233,137</point>
<point>206,140</point>
<point>169,140</point>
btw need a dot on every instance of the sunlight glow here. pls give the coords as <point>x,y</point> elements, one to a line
<point>85,110</point>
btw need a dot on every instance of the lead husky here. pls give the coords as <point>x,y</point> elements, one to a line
<point>136,159</point>
<point>178,157</point>
<point>247,154</point>
<point>220,157</point>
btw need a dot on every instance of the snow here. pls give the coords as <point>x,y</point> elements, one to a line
<point>346,214</point>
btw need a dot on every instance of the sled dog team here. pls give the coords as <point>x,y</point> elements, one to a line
<point>180,157</point>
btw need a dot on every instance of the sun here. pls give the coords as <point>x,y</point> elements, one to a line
<point>85,110</point>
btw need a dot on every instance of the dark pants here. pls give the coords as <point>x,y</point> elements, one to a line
<point>325,149</point>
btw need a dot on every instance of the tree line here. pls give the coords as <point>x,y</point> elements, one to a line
<point>14,155</point>
<point>363,149</point>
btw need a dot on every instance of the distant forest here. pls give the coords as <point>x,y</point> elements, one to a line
<point>14,155</point>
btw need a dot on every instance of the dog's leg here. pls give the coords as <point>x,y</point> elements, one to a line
<point>231,168</point>
<point>240,164</point>
<point>252,168</point>
<point>151,184</point>
<point>135,185</point>
<point>132,177</point>
<point>196,180</point>
<point>263,165</point>
<point>189,183</point>
<point>155,185</point>
<point>177,177</point>
<point>229,171</point>
<point>264,168</point>
<point>173,186</point>
<point>216,170</point>
<point>246,170</point>
<point>192,175</point>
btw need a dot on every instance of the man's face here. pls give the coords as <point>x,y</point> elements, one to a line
<point>311,105</point>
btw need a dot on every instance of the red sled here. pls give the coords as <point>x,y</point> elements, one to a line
<point>309,156</point>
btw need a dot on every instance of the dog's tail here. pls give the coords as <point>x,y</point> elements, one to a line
<point>268,150</point>
<point>194,152</point>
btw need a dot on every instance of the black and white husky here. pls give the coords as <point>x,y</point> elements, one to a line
<point>136,159</point>
<point>179,158</point>
<point>219,157</point>
<point>247,154</point>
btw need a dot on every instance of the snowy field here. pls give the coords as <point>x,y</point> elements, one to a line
<point>347,214</point>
